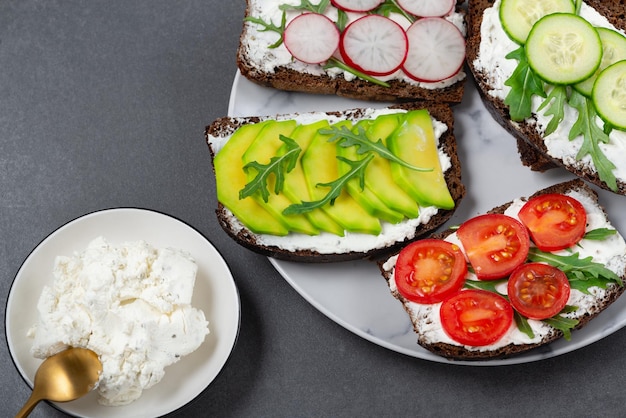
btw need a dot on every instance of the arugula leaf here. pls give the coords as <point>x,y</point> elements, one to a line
<point>391,6</point>
<point>347,138</point>
<point>556,101</point>
<point>342,20</point>
<point>586,126</point>
<point>488,285</point>
<point>563,324</point>
<point>600,234</point>
<point>335,63</point>
<point>522,324</point>
<point>306,5</point>
<point>357,169</point>
<point>267,27</point>
<point>279,165</point>
<point>524,84</point>
<point>582,273</point>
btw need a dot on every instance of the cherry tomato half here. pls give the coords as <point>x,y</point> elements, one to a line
<point>495,244</point>
<point>430,270</point>
<point>476,317</point>
<point>555,221</point>
<point>538,291</point>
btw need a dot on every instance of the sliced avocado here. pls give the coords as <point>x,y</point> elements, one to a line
<point>230,178</point>
<point>262,149</point>
<point>319,163</point>
<point>364,196</point>
<point>378,177</point>
<point>295,187</point>
<point>414,142</point>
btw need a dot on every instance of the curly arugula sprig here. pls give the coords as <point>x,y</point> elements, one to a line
<point>278,165</point>
<point>357,169</point>
<point>345,137</point>
<point>592,135</point>
<point>524,83</point>
<point>582,273</point>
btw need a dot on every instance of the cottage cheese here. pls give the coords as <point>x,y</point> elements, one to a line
<point>610,252</point>
<point>491,61</point>
<point>267,59</point>
<point>131,304</point>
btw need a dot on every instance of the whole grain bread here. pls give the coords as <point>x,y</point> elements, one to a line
<point>287,78</point>
<point>531,147</point>
<point>224,127</point>
<point>458,352</point>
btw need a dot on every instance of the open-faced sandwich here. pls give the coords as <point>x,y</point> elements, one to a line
<point>364,49</point>
<point>333,186</point>
<point>553,74</point>
<point>519,277</point>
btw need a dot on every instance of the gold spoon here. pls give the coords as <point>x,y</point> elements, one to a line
<point>63,377</point>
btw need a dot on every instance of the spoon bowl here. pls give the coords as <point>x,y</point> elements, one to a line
<point>63,377</point>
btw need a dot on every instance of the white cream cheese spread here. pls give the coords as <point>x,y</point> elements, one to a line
<point>326,243</point>
<point>610,252</point>
<point>266,59</point>
<point>493,64</point>
<point>131,304</point>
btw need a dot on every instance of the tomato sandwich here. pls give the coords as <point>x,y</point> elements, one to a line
<point>519,277</point>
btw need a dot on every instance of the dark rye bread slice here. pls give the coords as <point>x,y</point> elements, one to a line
<point>531,147</point>
<point>225,126</point>
<point>458,352</point>
<point>288,79</point>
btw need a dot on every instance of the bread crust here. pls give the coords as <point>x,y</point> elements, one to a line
<point>288,79</point>
<point>225,126</point>
<point>457,352</point>
<point>531,147</point>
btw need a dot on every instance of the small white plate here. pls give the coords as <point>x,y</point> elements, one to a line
<point>355,295</point>
<point>215,293</point>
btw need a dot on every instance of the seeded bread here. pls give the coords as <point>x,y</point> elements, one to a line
<point>532,149</point>
<point>312,79</point>
<point>223,127</point>
<point>459,352</point>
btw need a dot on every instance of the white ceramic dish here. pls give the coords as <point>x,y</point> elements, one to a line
<point>215,293</point>
<point>354,294</point>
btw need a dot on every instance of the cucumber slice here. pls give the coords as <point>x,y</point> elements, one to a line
<point>563,48</point>
<point>609,95</point>
<point>519,16</point>
<point>613,50</point>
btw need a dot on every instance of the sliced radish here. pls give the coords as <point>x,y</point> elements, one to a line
<point>436,50</point>
<point>374,44</point>
<point>311,38</point>
<point>427,8</point>
<point>356,5</point>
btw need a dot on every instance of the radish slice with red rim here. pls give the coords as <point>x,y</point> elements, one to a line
<point>356,5</point>
<point>436,50</point>
<point>374,44</point>
<point>311,38</point>
<point>427,8</point>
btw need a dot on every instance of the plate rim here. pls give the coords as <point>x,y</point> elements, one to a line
<point>103,211</point>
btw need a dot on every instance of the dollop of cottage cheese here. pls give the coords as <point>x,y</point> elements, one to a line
<point>611,252</point>
<point>129,303</point>
<point>492,62</point>
<point>268,59</point>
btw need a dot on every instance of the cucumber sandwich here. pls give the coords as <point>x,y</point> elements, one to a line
<point>553,73</point>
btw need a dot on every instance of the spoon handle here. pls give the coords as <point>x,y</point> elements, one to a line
<point>29,405</point>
